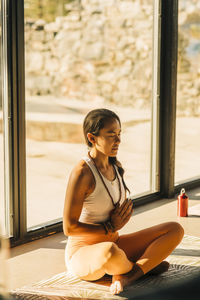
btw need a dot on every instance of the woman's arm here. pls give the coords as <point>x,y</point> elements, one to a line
<point>81,184</point>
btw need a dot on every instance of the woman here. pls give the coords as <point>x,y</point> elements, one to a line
<point>96,207</point>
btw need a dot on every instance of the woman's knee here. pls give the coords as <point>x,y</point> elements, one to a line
<point>111,252</point>
<point>177,229</point>
<point>109,249</point>
<point>102,252</point>
<point>102,255</point>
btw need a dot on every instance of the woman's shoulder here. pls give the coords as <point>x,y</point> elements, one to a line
<point>82,177</point>
<point>82,170</point>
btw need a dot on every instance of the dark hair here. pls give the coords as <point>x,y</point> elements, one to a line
<point>94,121</point>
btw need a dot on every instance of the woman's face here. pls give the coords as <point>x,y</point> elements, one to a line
<point>109,138</point>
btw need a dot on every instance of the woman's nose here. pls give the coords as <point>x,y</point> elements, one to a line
<point>118,139</point>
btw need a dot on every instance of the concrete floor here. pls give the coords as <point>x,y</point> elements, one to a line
<point>44,258</point>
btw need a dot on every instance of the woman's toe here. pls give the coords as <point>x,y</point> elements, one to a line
<point>119,287</point>
<point>116,287</point>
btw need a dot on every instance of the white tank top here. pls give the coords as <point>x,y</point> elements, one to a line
<point>98,205</point>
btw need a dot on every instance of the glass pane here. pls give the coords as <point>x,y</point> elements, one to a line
<point>2,204</point>
<point>82,55</point>
<point>188,93</point>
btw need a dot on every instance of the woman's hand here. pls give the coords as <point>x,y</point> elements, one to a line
<point>121,214</point>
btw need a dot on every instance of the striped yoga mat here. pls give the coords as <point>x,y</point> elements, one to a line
<point>184,262</point>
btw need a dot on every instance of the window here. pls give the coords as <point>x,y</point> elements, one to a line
<point>79,57</point>
<point>188,93</point>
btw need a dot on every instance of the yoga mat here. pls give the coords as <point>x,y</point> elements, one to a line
<point>184,262</point>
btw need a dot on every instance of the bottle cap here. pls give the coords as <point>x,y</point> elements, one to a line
<point>182,191</point>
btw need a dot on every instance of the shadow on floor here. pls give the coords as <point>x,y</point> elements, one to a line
<point>57,241</point>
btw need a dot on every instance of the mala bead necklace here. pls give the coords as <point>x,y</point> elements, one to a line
<point>108,225</point>
<point>119,185</point>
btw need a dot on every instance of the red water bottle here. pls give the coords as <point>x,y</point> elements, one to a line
<point>182,204</point>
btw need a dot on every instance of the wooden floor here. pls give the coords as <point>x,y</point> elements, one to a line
<point>43,258</point>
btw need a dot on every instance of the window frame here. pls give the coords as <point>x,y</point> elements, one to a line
<point>14,93</point>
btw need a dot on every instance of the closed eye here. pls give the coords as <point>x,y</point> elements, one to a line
<point>113,135</point>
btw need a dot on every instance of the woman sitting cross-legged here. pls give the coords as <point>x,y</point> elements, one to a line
<point>96,207</point>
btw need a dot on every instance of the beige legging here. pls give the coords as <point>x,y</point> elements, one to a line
<point>148,248</point>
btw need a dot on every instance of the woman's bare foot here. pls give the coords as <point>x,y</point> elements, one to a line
<point>120,281</point>
<point>116,287</point>
<point>159,269</point>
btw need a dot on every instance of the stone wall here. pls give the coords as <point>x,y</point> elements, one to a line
<point>102,51</point>
<point>188,84</point>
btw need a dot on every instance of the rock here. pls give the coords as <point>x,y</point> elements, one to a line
<point>39,25</point>
<point>123,85</point>
<point>119,57</point>
<point>34,62</point>
<point>73,17</point>
<point>126,68</point>
<point>52,27</point>
<point>51,65</point>
<point>106,89</point>
<point>38,36</point>
<point>93,51</point>
<point>106,77</point>
<point>39,85</point>
<point>65,41</point>
<point>125,42</point>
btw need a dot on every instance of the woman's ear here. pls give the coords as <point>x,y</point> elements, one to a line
<point>91,138</point>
